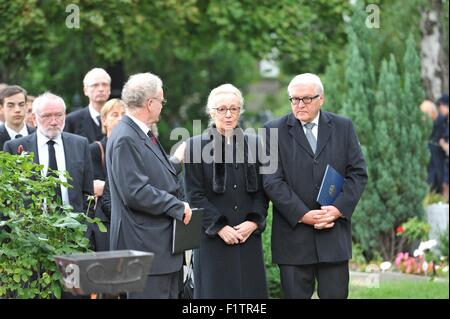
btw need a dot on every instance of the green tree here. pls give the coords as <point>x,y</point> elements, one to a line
<point>382,101</point>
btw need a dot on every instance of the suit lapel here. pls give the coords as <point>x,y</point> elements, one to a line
<point>324,132</point>
<point>69,153</point>
<point>297,133</point>
<point>155,148</point>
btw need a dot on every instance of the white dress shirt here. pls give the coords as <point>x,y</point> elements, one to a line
<point>315,129</point>
<point>60,159</point>
<point>139,123</point>
<point>12,133</point>
<point>94,114</point>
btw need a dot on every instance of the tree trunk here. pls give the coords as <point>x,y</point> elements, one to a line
<point>434,59</point>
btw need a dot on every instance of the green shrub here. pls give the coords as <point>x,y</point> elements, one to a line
<point>34,229</point>
<point>272,270</point>
<point>443,243</point>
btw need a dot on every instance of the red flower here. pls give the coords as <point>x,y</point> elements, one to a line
<point>20,149</point>
<point>399,230</point>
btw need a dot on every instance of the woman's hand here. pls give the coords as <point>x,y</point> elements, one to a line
<point>230,236</point>
<point>245,229</point>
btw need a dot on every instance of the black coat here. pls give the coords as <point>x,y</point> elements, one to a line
<point>100,240</point>
<point>294,186</point>
<point>81,123</point>
<point>221,270</point>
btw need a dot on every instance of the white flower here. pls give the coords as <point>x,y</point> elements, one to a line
<point>418,253</point>
<point>425,245</point>
<point>385,266</point>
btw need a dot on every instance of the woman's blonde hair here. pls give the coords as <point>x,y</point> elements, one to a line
<point>107,107</point>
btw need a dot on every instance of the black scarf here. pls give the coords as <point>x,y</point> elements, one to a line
<point>219,164</point>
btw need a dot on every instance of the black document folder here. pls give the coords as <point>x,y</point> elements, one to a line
<point>331,186</point>
<point>186,237</point>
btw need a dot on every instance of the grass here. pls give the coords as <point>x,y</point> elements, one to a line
<point>404,289</point>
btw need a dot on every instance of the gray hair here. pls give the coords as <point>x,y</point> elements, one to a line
<point>223,89</point>
<point>140,87</point>
<point>92,73</point>
<point>306,78</point>
<point>42,99</point>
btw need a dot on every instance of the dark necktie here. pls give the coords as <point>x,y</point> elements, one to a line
<point>99,121</point>
<point>153,138</point>
<point>18,136</point>
<point>52,165</point>
<point>155,142</point>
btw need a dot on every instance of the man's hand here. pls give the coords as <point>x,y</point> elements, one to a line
<point>230,236</point>
<point>187,213</point>
<point>246,229</point>
<point>180,151</point>
<point>327,220</point>
<point>99,185</point>
<point>310,217</point>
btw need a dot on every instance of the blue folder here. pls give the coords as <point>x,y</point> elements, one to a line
<point>331,186</point>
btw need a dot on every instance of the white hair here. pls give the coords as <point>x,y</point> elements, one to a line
<point>42,99</point>
<point>304,79</point>
<point>94,72</point>
<point>223,89</point>
<point>140,87</point>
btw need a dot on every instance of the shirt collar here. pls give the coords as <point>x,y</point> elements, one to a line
<point>13,133</point>
<point>315,120</point>
<point>42,139</point>
<point>93,113</point>
<point>139,123</point>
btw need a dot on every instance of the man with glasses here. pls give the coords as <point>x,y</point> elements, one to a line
<point>311,242</point>
<point>86,122</point>
<point>144,187</point>
<point>58,150</point>
<point>13,105</point>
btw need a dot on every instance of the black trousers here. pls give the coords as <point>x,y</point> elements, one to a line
<point>299,281</point>
<point>159,287</point>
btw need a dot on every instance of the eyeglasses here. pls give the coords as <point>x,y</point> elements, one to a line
<point>306,99</point>
<point>222,110</point>
<point>97,85</point>
<point>47,117</point>
<point>163,101</point>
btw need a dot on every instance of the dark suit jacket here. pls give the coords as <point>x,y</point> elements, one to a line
<point>4,136</point>
<point>78,164</point>
<point>144,189</point>
<point>81,123</point>
<point>293,189</point>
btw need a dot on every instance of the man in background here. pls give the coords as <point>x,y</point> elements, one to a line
<point>86,122</point>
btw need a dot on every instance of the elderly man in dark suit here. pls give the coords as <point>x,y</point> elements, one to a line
<point>144,187</point>
<point>86,122</point>
<point>58,150</point>
<point>13,105</point>
<point>312,242</point>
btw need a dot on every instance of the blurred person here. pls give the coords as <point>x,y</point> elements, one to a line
<point>13,104</point>
<point>436,164</point>
<point>87,121</point>
<point>29,119</point>
<point>443,142</point>
<point>229,262</point>
<point>2,119</point>
<point>111,113</point>
<point>144,187</point>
